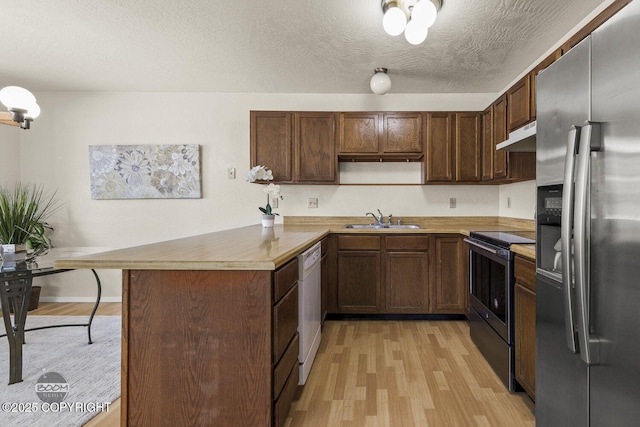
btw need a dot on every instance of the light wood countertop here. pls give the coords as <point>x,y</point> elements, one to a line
<point>528,251</point>
<point>257,248</point>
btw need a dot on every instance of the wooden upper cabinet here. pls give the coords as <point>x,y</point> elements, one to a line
<point>499,135</point>
<point>534,73</point>
<point>468,144</point>
<point>297,147</point>
<point>440,156</point>
<point>519,104</point>
<point>272,143</point>
<point>402,133</point>
<point>488,148</point>
<point>315,148</point>
<point>359,133</point>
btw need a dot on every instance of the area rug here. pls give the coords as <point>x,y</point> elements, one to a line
<point>91,372</point>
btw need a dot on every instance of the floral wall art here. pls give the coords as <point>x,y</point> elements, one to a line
<point>145,171</point>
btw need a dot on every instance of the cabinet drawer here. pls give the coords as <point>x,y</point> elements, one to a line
<point>284,278</point>
<point>525,272</point>
<point>413,243</point>
<point>285,322</point>
<point>359,242</point>
<point>283,403</point>
<point>288,362</point>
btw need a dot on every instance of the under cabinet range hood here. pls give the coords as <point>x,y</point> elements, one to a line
<point>522,139</point>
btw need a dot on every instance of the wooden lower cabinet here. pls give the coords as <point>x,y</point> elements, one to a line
<point>449,285</point>
<point>186,330</point>
<point>359,275</point>
<point>525,324</point>
<point>383,274</point>
<point>406,274</point>
<point>407,282</point>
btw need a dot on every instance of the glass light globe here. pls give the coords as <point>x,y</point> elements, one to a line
<point>394,21</point>
<point>416,32</point>
<point>424,12</point>
<point>16,97</point>
<point>33,111</point>
<point>380,83</point>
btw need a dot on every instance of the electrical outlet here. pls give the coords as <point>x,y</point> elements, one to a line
<point>312,202</point>
<point>508,202</point>
<point>231,173</point>
<point>452,202</point>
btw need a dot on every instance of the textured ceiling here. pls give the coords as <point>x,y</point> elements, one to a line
<point>279,46</point>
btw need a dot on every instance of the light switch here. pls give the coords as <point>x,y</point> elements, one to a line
<point>231,173</point>
<point>452,202</point>
<point>312,202</point>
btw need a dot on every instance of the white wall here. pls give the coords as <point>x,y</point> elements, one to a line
<point>9,154</point>
<point>518,200</point>
<point>55,152</point>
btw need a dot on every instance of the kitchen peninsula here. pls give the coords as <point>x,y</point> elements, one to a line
<point>209,321</point>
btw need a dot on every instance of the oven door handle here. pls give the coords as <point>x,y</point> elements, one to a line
<point>480,245</point>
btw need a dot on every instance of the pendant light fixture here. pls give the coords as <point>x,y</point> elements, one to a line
<point>380,82</point>
<point>414,17</point>
<point>21,105</point>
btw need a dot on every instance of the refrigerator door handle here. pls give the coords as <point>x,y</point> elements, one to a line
<point>588,344</point>
<point>566,226</point>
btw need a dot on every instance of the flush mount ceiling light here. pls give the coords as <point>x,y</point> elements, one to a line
<point>414,17</point>
<point>380,82</point>
<point>21,105</point>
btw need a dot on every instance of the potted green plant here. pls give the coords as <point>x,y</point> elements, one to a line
<point>24,209</point>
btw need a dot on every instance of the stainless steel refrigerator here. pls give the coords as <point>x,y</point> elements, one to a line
<point>588,231</point>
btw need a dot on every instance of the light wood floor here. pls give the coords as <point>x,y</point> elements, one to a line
<point>384,373</point>
<point>404,373</point>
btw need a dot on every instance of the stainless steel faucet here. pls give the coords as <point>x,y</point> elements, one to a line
<point>380,219</point>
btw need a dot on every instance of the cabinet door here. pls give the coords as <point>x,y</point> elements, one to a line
<point>488,148</point>
<point>525,337</point>
<point>407,282</point>
<point>402,133</point>
<point>500,135</point>
<point>534,73</point>
<point>359,282</point>
<point>519,103</point>
<point>439,162</point>
<point>272,143</point>
<point>329,279</point>
<point>359,133</point>
<point>468,144</point>
<point>315,147</point>
<point>449,288</point>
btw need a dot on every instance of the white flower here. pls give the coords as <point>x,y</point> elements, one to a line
<point>258,173</point>
<point>273,191</point>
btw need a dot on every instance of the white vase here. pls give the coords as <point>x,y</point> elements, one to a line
<point>267,220</point>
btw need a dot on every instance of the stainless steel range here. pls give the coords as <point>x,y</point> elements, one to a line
<point>491,286</point>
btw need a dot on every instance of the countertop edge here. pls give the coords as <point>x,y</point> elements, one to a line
<point>200,251</point>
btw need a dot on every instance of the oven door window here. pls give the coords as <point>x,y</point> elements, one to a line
<point>488,284</point>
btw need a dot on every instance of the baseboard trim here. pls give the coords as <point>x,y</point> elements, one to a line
<point>79,299</point>
<point>341,316</point>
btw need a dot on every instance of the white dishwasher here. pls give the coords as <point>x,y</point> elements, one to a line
<point>309,308</point>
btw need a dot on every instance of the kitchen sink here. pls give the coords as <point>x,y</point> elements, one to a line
<point>381,226</point>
